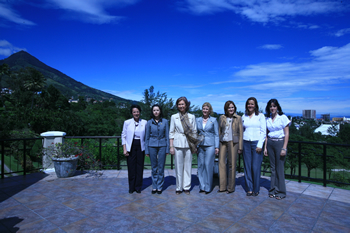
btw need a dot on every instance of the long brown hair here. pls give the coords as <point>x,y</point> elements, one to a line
<point>256,109</point>
<point>227,104</point>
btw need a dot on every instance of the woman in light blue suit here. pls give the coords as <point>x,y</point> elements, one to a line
<point>208,148</point>
<point>157,146</point>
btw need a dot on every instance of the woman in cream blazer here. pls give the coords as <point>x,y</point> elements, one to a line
<point>180,147</point>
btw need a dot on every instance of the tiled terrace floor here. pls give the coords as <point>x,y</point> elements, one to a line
<point>42,203</point>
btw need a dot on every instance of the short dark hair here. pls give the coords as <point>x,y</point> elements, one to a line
<point>275,102</point>
<point>256,110</point>
<point>188,103</point>
<point>135,106</point>
<point>161,111</point>
<point>227,104</point>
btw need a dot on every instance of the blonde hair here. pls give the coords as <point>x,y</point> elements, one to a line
<point>207,104</point>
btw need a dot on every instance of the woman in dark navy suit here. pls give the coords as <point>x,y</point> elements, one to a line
<point>157,146</point>
<point>208,127</point>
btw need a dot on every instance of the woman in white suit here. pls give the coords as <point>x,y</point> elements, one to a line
<point>208,148</point>
<point>183,143</point>
<point>133,140</point>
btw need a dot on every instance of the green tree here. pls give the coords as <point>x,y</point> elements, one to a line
<point>34,81</point>
<point>4,71</point>
<point>344,133</point>
<point>150,98</point>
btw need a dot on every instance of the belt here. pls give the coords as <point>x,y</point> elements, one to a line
<point>276,139</point>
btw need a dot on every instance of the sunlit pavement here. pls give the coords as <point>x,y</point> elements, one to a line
<point>43,203</point>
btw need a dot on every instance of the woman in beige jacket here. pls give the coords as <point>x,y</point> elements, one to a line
<point>231,143</point>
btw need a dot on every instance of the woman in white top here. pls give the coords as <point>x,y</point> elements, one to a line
<point>133,140</point>
<point>276,147</point>
<point>254,133</point>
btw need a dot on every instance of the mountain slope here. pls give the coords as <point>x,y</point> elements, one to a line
<point>67,85</point>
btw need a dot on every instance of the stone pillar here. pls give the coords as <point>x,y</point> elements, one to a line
<point>51,138</point>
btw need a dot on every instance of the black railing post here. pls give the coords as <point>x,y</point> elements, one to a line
<point>324,165</point>
<point>100,152</point>
<point>299,158</point>
<point>239,163</point>
<point>24,158</point>
<point>2,159</point>
<point>172,162</point>
<point>118,154</point>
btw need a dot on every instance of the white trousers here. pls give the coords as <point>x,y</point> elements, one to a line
<point>183,168</point>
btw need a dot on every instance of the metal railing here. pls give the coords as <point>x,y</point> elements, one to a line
<point>114,158</point>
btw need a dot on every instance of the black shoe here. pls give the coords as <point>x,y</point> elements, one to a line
<point>249,193</point>
<point>159,191</point>
<point>187,192</point>
<point>130,192</point>
<point>222,191</point>
<point>255,194</point>
<point>207,193</point>
<point>154,191</point>
<point>178,192</point>
<point>228,192</point>
<point>138,191</point>
<point>201,191</point>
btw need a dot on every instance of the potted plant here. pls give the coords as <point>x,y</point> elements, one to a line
<point>69,156</point>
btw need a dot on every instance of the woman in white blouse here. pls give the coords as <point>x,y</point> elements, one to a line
<point>276,147</point>
<point>254,133</point>
<point>133,140</point>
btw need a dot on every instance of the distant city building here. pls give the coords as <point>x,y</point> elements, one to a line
<point>73,101</point>
<point>309,114</point>
<point>326,117</point>
<point>6,91</point>
<point>340,119</point>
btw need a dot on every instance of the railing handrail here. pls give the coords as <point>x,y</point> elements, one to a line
<point>320,143</point>
<point>119,165</point>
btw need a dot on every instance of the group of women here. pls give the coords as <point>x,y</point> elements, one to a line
<point>252,134</point>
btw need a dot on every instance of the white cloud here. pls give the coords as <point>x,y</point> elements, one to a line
<point>326,64</point>
<point>264,11</point>
<point>342,32</point>
<point>91,11</point>
<point>322,82</point>
<point>6,48</point>
<point>9,14</point>
<point>271,46</point>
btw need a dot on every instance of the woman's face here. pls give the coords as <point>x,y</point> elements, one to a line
<point>251,106</point>
<point>205,111</point>
<point>273,108</point>
<point>156,111</point>
<point>135,114</point>
<point>181,106</point>
<point>231,109</point>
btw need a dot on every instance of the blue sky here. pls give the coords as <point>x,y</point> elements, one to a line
<point>297,51</point>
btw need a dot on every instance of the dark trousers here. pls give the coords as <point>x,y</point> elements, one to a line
<point>252,166</point>
<point>135,162</point>
<point>278,184</point>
